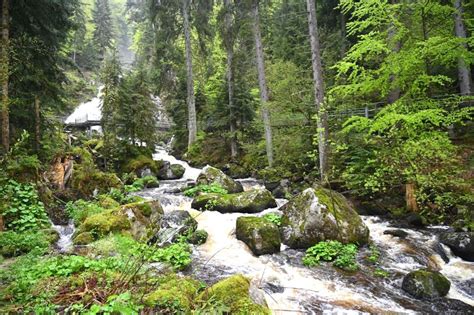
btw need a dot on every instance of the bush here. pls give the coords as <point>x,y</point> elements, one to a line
<point>212,188</point>
<point>15,244</point>
<point>79,210</point>
<point>274,218</point>
<point>343,256</point>
<point>21,208</point>
<point>141,183</point>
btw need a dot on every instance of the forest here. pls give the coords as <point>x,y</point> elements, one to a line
<point>237,157</point>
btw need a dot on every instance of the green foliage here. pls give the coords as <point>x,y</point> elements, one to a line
<point>203,188</point>
<point>342,256</point>
<point>79,210</point>
<point>176,255</point>
<point>374,254</point>
<point>15,244</point>
<point>141,183</point>
<point>116,304</point>
<point>21,208</point>
<point>381,273</point>
<point>273,217</point>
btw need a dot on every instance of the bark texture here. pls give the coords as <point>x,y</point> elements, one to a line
<point>463,70</point>
<point>190,99</point>
<point>229,45</point>
<point>262,82</point>
<point>322,120</point>
<point>4,70</point>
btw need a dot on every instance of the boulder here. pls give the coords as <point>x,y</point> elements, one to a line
<point>461,243</point>
<point>320,214</point>
<point>171,171</point>
<point>139,219</point>
<point>198,237</point>
<point>211,175</point>
<point>234,293</point>
<point>251,201</point>
<point>174,295</point>
<point>175,224</point>
<point>415,219</point>
<point>424,283</point>
<point>260,235</point>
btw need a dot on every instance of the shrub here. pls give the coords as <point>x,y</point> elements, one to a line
<point>79,210</point>
<point>212,188</point>
<point>343,256</point>
<point>15,244</point>
<point>274,218</point>
<point>21,207</point>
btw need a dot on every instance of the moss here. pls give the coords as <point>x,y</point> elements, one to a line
<point>51,235</point>
<point>141,162</point>
<point>246,202</point>
<point>174,294</point>
<point>234,293</point>
<point>211,175</point>
<point>425,283</point>
<point>262,236</point>
<point>178,170</point>
<point>107,202</point>
<point>104,223</point>
<point>87,179</point>
<point>83,238</point>
<point>198,237</point>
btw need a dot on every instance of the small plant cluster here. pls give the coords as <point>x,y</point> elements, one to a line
<point>273,217</point>
<point>14,244</point>
<point>212,188</point>
<point>21,208</point>
<point>80,209</point>
<point>342,255</point>
<point>374,256</point>
<point>177,255</point>
<point>141,183</point>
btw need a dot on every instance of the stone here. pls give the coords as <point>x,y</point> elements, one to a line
<point>211,175</point>
<point>252,201</point>
<point>171,171</point>
<point>175,224</point>
<point>259,234</point>
<point>320,214</point>
<point>234,293</point>
<point>198,237</point>
<point>461,243</point>
<point>424,283</point>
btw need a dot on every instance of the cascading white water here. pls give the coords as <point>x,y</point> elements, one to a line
<point>65,233</point>
<point>293,288</point>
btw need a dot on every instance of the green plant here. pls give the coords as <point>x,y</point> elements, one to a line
<point>343,256</point>
<point>203,188</point>
<point>374,254</point>
<point>381,273</point>
<point>177,255</point>
<point>14,244</point>
<point>141,183</point>
<point>274,218</point>
<point>79,210</point>
<point>116,304</point>
<point>21,207</point>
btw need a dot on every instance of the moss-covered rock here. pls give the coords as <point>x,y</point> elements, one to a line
<point>425,283</point>
<point>107,202</point>
<point>174,295</point>
<point>142,162</point>
<point>145,218</point>
<point>175,224</point>
<point>320,214</point>
<point>88,180</point>
<point>198,237</point>
<point>260,235</point>
<point>105,222</point>
<point>83,238</point>
<point>171,171</point>
<point>234,293</point>
<point>251,201</point>
<point>211,175</point>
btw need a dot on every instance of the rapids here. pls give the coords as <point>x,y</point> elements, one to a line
<point>291,288</point>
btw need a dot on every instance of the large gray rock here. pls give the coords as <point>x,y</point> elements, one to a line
<point>425,283</point>
<point>173,225</point>
<point>260,235</point>
<point>171,171</point>
<point>211,175</point>
<point>461,243</point>
<point>251,201</point>
<point>320,214</point>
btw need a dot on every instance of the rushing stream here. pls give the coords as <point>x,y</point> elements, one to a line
<point>291,288</point>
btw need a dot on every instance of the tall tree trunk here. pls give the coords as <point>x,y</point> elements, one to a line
<point>192,125</point>
<point>262,82</point>
<point>322,120</point>
<point>4,70</point>
<point>463,69</point>
<point>229,44</point>
<point>37,124</point>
